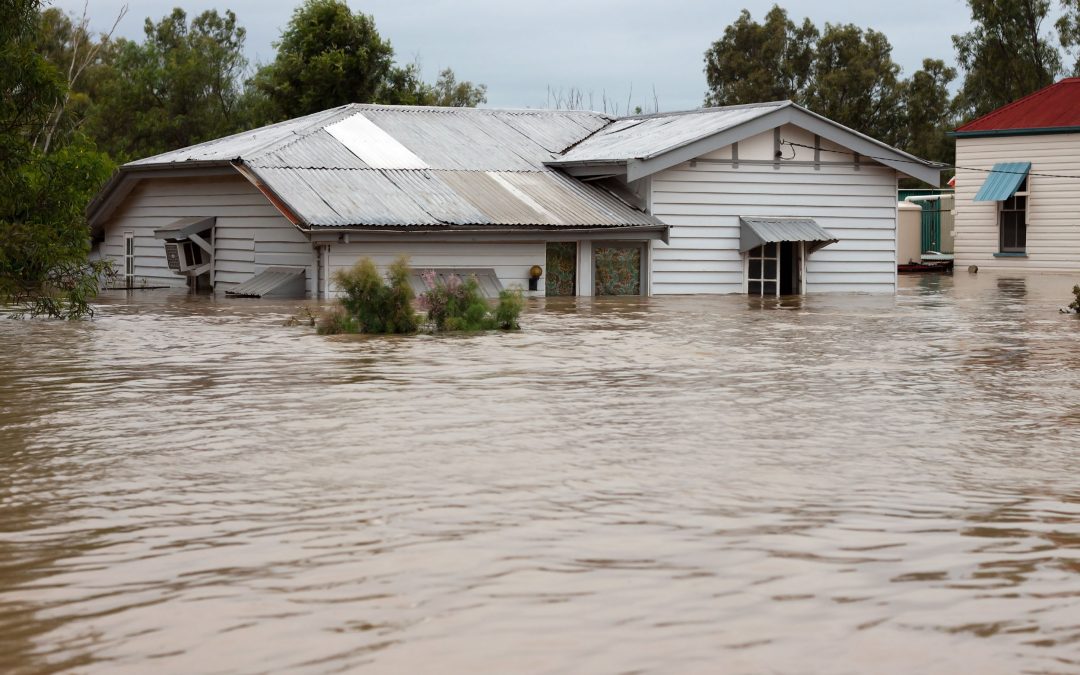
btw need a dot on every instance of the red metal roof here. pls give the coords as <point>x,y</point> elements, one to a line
<point>1055,107</point>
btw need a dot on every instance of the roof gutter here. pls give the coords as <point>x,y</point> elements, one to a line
<point>1013,132</point>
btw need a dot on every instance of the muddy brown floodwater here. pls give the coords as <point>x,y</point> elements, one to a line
<point>840,484</point>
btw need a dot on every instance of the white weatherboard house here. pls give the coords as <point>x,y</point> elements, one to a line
<point>1018,184</point>
<point>763,199</point>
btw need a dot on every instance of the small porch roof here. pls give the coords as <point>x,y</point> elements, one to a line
<point>757,231</point>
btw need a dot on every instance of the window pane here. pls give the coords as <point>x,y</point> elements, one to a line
<point>769,287</point>
<point>770,250</point>
<point>754,288</point>
<point>1021,235</point>
<point>770,269</point>
<point>1021,203</point>
<point>755,269</point>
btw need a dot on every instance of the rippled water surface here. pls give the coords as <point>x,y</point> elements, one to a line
<point>840,484</point>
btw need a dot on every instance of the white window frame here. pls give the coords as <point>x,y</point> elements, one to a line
<point>129,259</point>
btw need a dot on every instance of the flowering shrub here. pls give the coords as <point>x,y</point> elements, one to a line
<point>370,304</point>
<point>457,304</point>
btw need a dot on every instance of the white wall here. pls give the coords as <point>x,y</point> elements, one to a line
<point>250,234</point>
<point>510,260</point>
<point>703,203</point>
<point>1053,233</point>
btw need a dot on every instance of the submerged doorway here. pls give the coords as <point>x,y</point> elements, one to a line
<point>775,268</point>
<point>618,268</point>
<point>561,264</point>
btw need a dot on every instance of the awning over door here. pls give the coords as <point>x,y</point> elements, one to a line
<point>1003,181</point>
<point>185,227</point>
<point>757,231</point>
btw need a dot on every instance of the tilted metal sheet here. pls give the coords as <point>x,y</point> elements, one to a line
<point>314,151</point>
<point>755,231</point>
<point>564,204</point>
<point>266,282</point>
<point>1003,181</point>
<point>644,137</point>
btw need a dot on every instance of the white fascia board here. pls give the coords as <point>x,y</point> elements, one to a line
<point>800,117</point>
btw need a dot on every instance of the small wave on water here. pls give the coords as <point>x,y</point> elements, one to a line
<point>689,484</point>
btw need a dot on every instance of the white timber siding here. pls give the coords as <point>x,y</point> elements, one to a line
<point>702,201</point>
<point>1053,216</point>
<point>510,260</point>
<point>250,234</point>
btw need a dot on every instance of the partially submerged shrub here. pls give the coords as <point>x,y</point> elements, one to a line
<point>370,305</point>
<point>458,305</point>
<point>1075,304</point>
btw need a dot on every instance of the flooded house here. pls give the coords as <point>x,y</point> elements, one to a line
<point>765,199</point>
<point>1018,184</point>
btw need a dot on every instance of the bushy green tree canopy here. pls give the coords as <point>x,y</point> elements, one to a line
<point>178,87</point>
<point>1006,55</point>
<point>329,55</point>
<point>44,238</point>
<point>842,71</point>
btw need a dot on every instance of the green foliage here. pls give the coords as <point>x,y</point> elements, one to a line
<point>755,62</point>
<point>508,311</point>
<point>370,304</point>
<point>44,238</point>
<point>404,87</point>
<point>179,87</point>
<point>843,72</point>
<point>327,56</point>
<point>458,305</point>
<point>1006,55</point>
<point>1075,304</point>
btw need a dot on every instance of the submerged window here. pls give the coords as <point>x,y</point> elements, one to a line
<point>1012,221</point>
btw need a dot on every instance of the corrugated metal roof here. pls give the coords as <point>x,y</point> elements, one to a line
<point>267,281</point>
<point>1053,107</point>
<point>249,143</point>
<point>757,231</point>
<point>376,166</point>
<point>645,137</point>
<point>1003,181</point>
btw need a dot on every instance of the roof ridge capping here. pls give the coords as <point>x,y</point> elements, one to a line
<point>712,109</point>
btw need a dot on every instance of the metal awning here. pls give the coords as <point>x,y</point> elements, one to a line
<point>278,281</point>
<point>485,276</point>
<point>757,231</point>
<point>185,227</point>
<point>1003,181</point>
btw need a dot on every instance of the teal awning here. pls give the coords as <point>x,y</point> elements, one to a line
<point>1003,181</point>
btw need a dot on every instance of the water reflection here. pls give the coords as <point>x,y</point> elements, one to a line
<point>822,484</point>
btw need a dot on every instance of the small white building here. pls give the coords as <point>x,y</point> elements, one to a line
<point>1018,184</point>
<point>763,199</point>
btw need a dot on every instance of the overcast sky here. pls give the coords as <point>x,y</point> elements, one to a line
<point>520,48</point>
